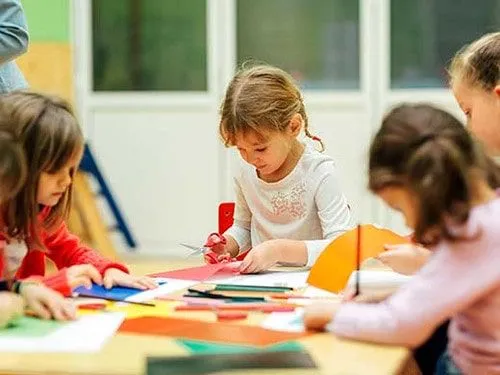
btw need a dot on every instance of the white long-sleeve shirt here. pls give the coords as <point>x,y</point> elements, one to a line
<point>306,205</point>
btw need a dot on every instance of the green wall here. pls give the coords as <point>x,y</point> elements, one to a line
<point>48,20</point>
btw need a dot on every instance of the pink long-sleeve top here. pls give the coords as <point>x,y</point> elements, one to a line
<point>460,282</point>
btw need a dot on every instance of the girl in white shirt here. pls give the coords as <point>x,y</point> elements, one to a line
<point>289,205</point>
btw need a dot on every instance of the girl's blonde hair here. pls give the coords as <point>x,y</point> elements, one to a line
<point>50,137</point>
<point>478,63</point>
<point>261,99</point>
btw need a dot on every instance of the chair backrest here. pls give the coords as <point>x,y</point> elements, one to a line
<point>226,213</point>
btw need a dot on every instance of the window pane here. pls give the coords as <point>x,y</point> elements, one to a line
<point>426,34</point>
<point>316,41</point>
<point>149,45</point>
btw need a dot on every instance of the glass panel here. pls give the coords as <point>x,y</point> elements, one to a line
<point>316,41</point>
<point>425,35</point>
<point>149,45</point>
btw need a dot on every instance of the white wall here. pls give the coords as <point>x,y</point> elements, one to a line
<point>161,152</point>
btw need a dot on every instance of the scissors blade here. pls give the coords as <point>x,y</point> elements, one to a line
<point>196,249</point>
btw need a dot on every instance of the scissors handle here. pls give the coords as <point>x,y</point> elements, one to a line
<point>215,239</point>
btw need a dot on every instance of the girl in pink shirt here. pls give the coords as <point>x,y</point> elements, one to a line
<point>425,164</point>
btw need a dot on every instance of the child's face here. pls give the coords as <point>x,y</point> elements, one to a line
<point>266,155</point>
<point>52,186</point>
<point>401,200</point>
<point>482,109</point>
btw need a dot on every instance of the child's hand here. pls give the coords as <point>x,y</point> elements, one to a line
<point>318,315</point>
<point>366,298</point>
<point>405,259</point>
<point>83,274</point>
<point>216,243</point>
<point>11,306</point>
<point>114,276</point>
<point>46,303</point>
<point>261,257</point>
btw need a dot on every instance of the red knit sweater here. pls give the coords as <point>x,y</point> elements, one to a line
<point>65,250</point>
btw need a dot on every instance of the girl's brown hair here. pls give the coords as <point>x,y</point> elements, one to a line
<point>12,166</point>
<point>431,153</point>
<point>50,137</point>
<point>478,63</point>
<point>261,98</point>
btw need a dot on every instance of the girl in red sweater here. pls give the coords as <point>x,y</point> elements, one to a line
<point>33,219</point>
<point>36,297</point>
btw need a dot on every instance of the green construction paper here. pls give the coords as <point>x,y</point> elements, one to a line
<point>205,347</point>
<point>30,327</point>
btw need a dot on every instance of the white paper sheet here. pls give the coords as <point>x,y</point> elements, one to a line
<point>292,279</point>
<point>377,281</point>
<point>87,334</point>
<point>170,286</point>
<point>285,321</point>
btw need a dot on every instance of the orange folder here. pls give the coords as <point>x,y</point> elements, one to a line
<point>336,263</point>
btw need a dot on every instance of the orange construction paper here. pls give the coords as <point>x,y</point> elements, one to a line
<point>207,331</point>
<point>200,273</point>
<point>336,263</point>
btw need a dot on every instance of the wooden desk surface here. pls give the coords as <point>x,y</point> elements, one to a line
<point>126,354</point>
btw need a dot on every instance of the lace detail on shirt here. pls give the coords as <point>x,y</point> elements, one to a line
<point>292,202</point>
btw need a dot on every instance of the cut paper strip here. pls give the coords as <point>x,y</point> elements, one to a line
<point>204,347</point>
<point>336,263</point>
<point>225,363</point>
<point>202,273</point>
<point>161,308</point>
<point>208,331</point>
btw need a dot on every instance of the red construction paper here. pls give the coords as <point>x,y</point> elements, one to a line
<point>201,273</point>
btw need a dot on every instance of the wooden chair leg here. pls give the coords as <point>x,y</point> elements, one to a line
<point>87,220</point>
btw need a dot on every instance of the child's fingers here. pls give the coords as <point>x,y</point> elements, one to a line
<point>148,282</point>
<point>218,248</point>
<point>81,281</point>
<point>348,296</point>
<point>39,310</point>
<point>245,264</point>
<point>69,310</point>
<point>93,274</point>
<point>108,282</point>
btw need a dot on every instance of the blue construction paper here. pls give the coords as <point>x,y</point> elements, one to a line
<point>116,292</point>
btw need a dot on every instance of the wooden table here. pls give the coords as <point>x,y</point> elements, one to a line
<point>126,354</point>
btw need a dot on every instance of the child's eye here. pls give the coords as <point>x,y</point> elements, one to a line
<point>261,149</point>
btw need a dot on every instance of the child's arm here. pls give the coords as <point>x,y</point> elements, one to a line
<point>13,30</point>
<point>333,212</point>
<point>431,297</point>
<point>406,259</point>
<point>66,250</point>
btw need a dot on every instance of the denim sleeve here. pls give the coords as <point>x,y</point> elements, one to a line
<point>14,35</point>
